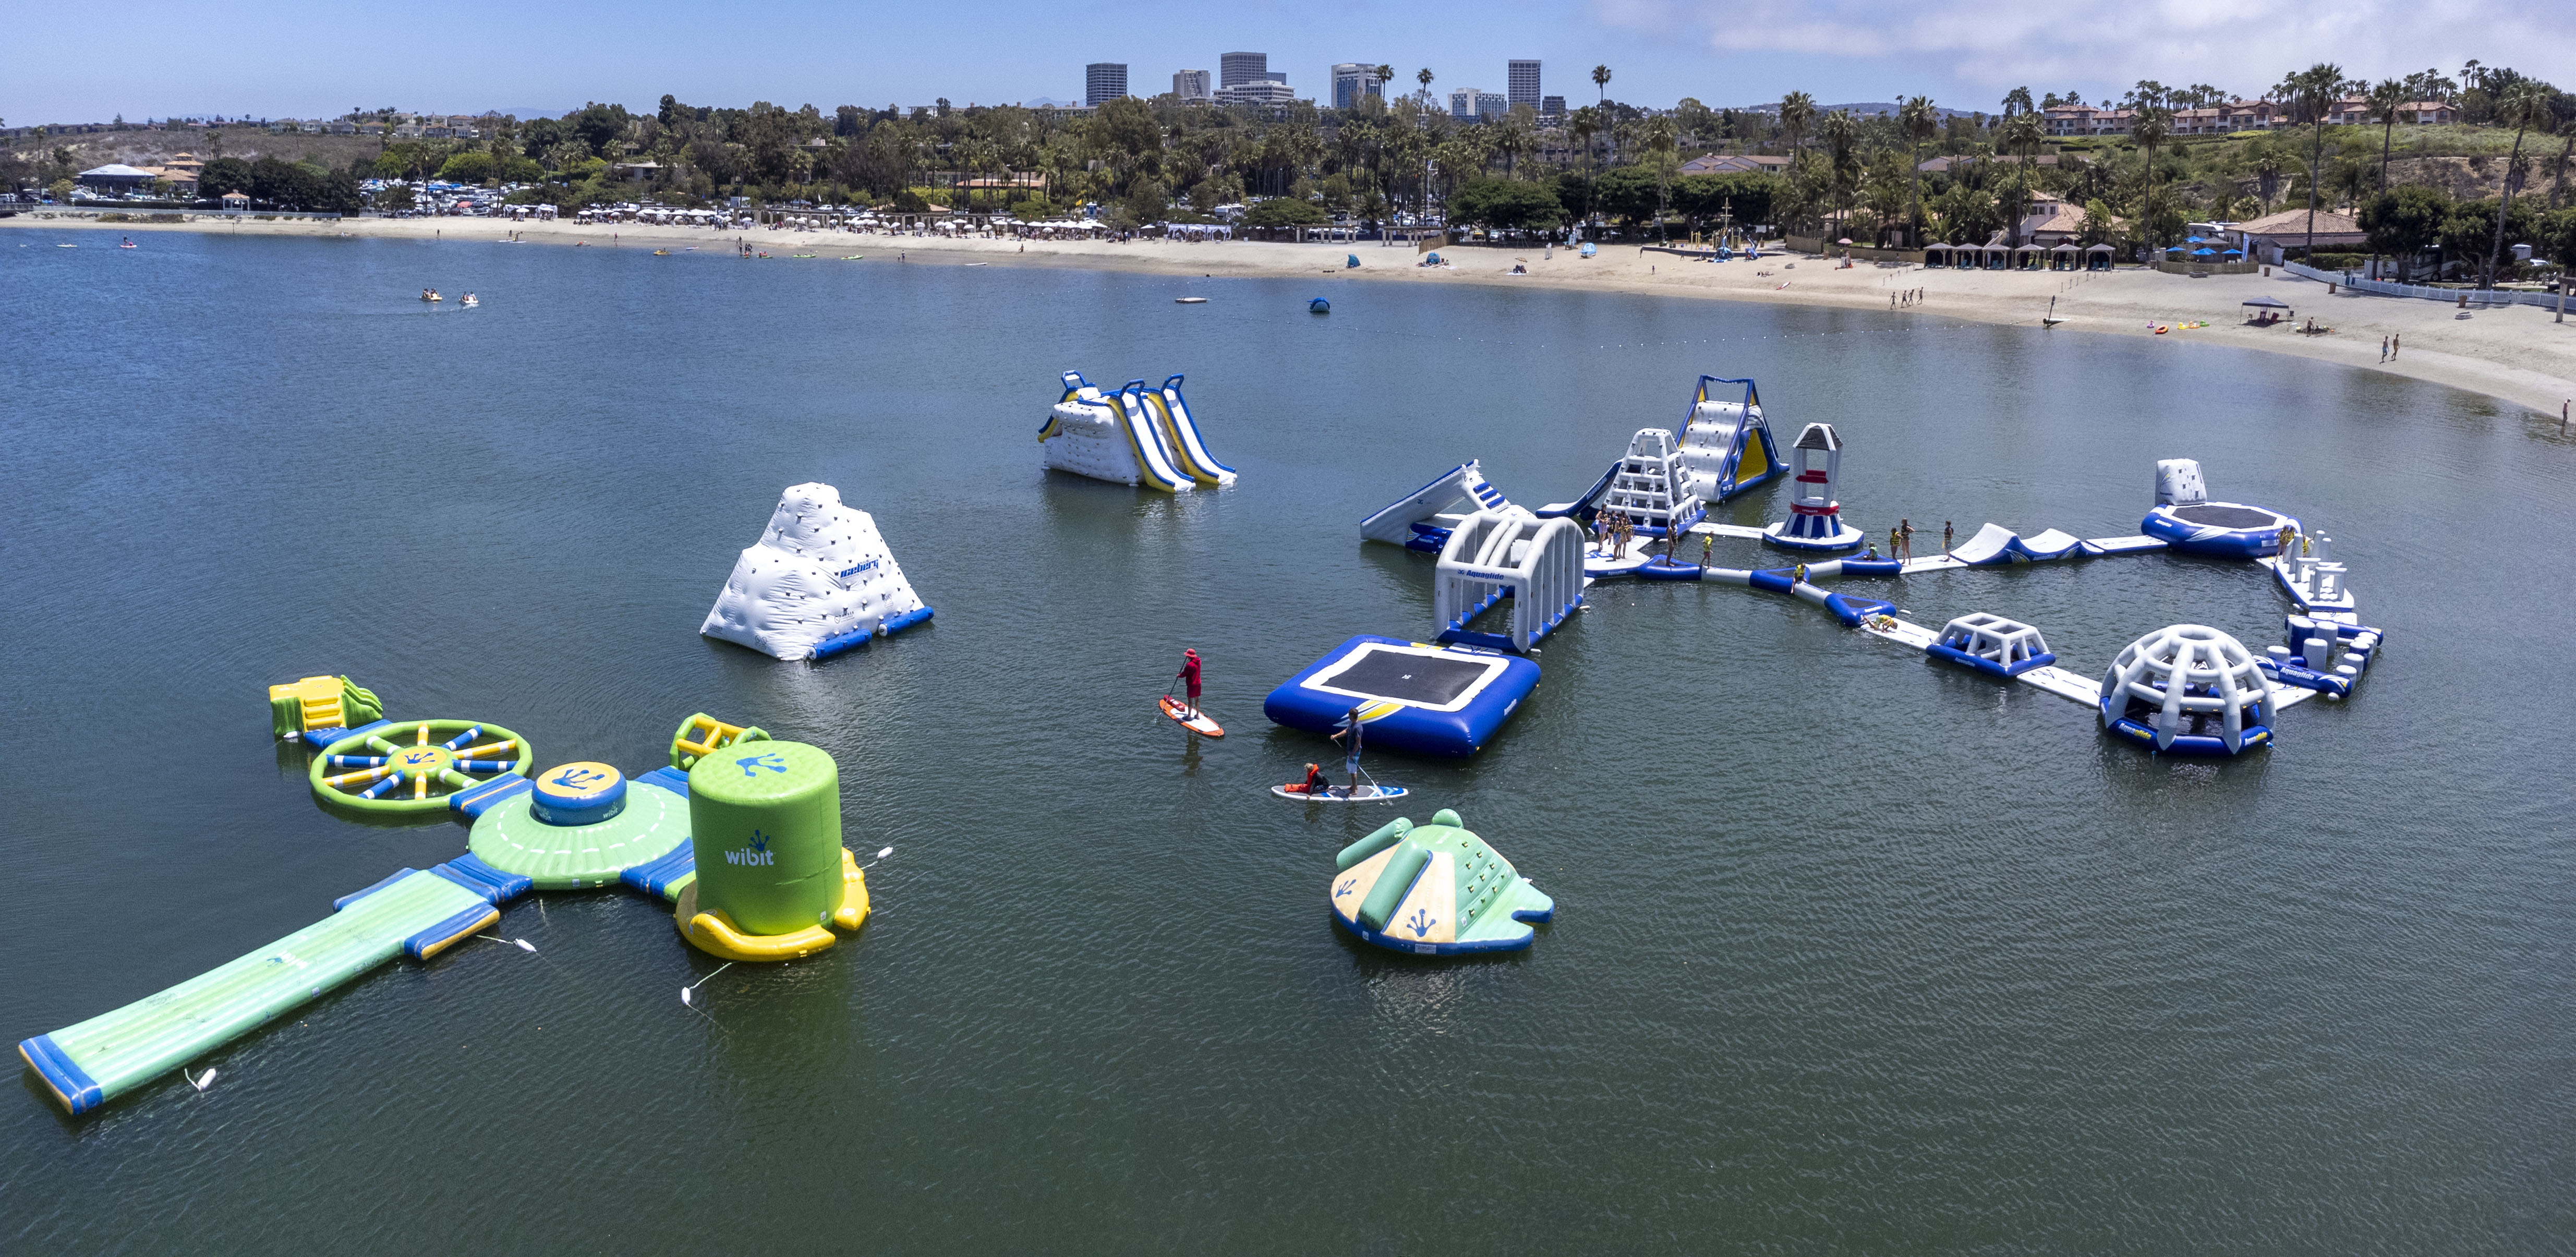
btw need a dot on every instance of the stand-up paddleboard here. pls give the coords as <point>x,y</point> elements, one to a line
<point>1370,793</point>
<point>1179,712</point>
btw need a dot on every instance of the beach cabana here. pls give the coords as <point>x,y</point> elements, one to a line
<point>2098,258</point>
<point>1964,256</point>
<point>2066,257</point>
<point>1936,255</point>
<point>2029,257</point>
<point>1998,257</point>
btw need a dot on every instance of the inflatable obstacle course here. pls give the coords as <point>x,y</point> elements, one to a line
<point>1727,448</point>
<point>1537,563</point>
<point>577,825</point>
<point>819,581</point>
<point>1133,435</point>
<point>318,705</point>
<point>1434,890</point>
<point>415,765</point>
<point>1422,519</point>
<point>2190,690</point>
<point>1815,517</point>
<point>1426,698</point>
<point>2185,519</point>
<point>765,836</point>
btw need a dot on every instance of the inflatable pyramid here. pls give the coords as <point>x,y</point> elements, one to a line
<point>819,582</point>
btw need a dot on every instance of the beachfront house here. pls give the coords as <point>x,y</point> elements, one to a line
<point>2269,238</point>
<point>1734,163</point>
<point>115,180</point>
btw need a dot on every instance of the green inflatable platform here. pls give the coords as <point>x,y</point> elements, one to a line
<point>414,912</point>
<point>1434,890</point>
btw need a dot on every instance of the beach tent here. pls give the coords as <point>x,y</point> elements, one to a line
<point>1964,256</point>
<point>2098,258</point>
<point>1998,257</point>
<point>2029,257</point>
<point>2065,257</point>
<point>1936,255</point>
<point>2263,306</point>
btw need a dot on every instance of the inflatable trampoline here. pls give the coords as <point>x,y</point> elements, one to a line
<point>1431,700</point>
<point>2186,520</point>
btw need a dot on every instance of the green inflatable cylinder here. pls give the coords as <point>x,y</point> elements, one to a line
<point>765,826</point>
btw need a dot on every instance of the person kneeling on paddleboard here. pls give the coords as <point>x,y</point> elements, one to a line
<point>1190,673</point>
<point>1316,781</point>
<point>1351,749</point>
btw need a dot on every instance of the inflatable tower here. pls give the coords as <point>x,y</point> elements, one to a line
<point>819,582</point>
<point>765,832</point>
<point>1815,518</point>
<point>1726,446</point>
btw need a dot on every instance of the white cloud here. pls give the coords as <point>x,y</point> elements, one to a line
<point>2096,47</point>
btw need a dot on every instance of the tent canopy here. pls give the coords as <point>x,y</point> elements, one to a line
<point>2269,303</point>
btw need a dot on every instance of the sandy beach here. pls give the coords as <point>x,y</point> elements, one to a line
<point>2517,354</point>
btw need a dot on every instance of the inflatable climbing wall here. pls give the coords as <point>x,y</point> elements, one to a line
<point>819,581</point>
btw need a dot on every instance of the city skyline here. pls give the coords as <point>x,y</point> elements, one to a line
<point>202,62</point>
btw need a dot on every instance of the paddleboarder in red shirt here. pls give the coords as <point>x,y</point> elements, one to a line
<point>1189,673</point>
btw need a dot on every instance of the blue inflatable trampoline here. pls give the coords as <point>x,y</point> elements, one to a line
<point>1431,700</point>
<point>2229,530</point>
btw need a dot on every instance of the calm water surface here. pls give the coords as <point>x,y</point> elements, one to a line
<point>1854,952</point>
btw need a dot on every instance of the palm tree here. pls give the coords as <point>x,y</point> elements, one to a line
<point>1797,109</point>
<point>1601,79</point>
<point>2522,102</point>
<point>2311,94</point>
<point>1423,76</point>
<point>2017,102</point>
<point>1385,75</point>
<point>2150,129</point>
<point>2020,136</point>
<point>2384,100</point>
<point>1841,134</point>
<point>1920,122</point>
<point>1659,143</point>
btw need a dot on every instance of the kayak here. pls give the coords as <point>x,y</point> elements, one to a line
<point>1178,711</point>
<point>1190,301</point>
<point>1371,793</point>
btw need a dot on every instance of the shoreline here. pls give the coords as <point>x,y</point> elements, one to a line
<point>2515,354</point>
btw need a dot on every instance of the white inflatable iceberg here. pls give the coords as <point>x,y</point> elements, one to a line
<point>819,582</point>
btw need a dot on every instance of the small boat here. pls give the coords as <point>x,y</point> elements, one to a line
<point>979,264</point>
<point>66,246</point>
<point>800,255</point>
<point>1189,301</point>
<point>1319,306</point>
<point>854,257</point>
<point>661,253</point>
<point>1370,793</point>
<point>470,301</point>
<point>2050,321</point>
<point>126,243</point>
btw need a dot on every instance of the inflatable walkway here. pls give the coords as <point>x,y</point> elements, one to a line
<point>417,913</point>
<point>819,581</point>
<point>1136,435</point>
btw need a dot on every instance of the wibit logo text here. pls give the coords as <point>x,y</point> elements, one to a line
<point>758,854</point>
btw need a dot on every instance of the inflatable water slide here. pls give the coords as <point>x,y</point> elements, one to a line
<point>1134,435</point>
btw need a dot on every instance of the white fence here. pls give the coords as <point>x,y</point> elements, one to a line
<point>2476,296</point>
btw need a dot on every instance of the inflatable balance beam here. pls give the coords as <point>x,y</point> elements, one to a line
<point>415,912</point>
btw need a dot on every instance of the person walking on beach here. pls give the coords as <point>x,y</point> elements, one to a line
<point>2383,349</point>
<point>2396,343</point>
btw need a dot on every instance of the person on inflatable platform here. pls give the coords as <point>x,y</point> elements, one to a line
<point>1189,673</point>
<point>1351,749</point>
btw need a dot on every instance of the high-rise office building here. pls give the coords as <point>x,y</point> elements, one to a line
<point>1351,81</point>
<point>1462,103</point>
<point>1103,81</point>
<point>1521,83</point>
<point>1237,68</point>
<point>1492,105</point>
<point>1191,86</point>
<point>1266,90</point>
<point>1551,106</point>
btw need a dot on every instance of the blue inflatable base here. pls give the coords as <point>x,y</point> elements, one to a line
<point>1985,665</point>
<point>1449,704</point>
<point>1477,947</point>
<point>2192,744</point>
<point>2251,541</point>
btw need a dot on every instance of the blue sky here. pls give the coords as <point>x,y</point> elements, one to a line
<point>302,58</point>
